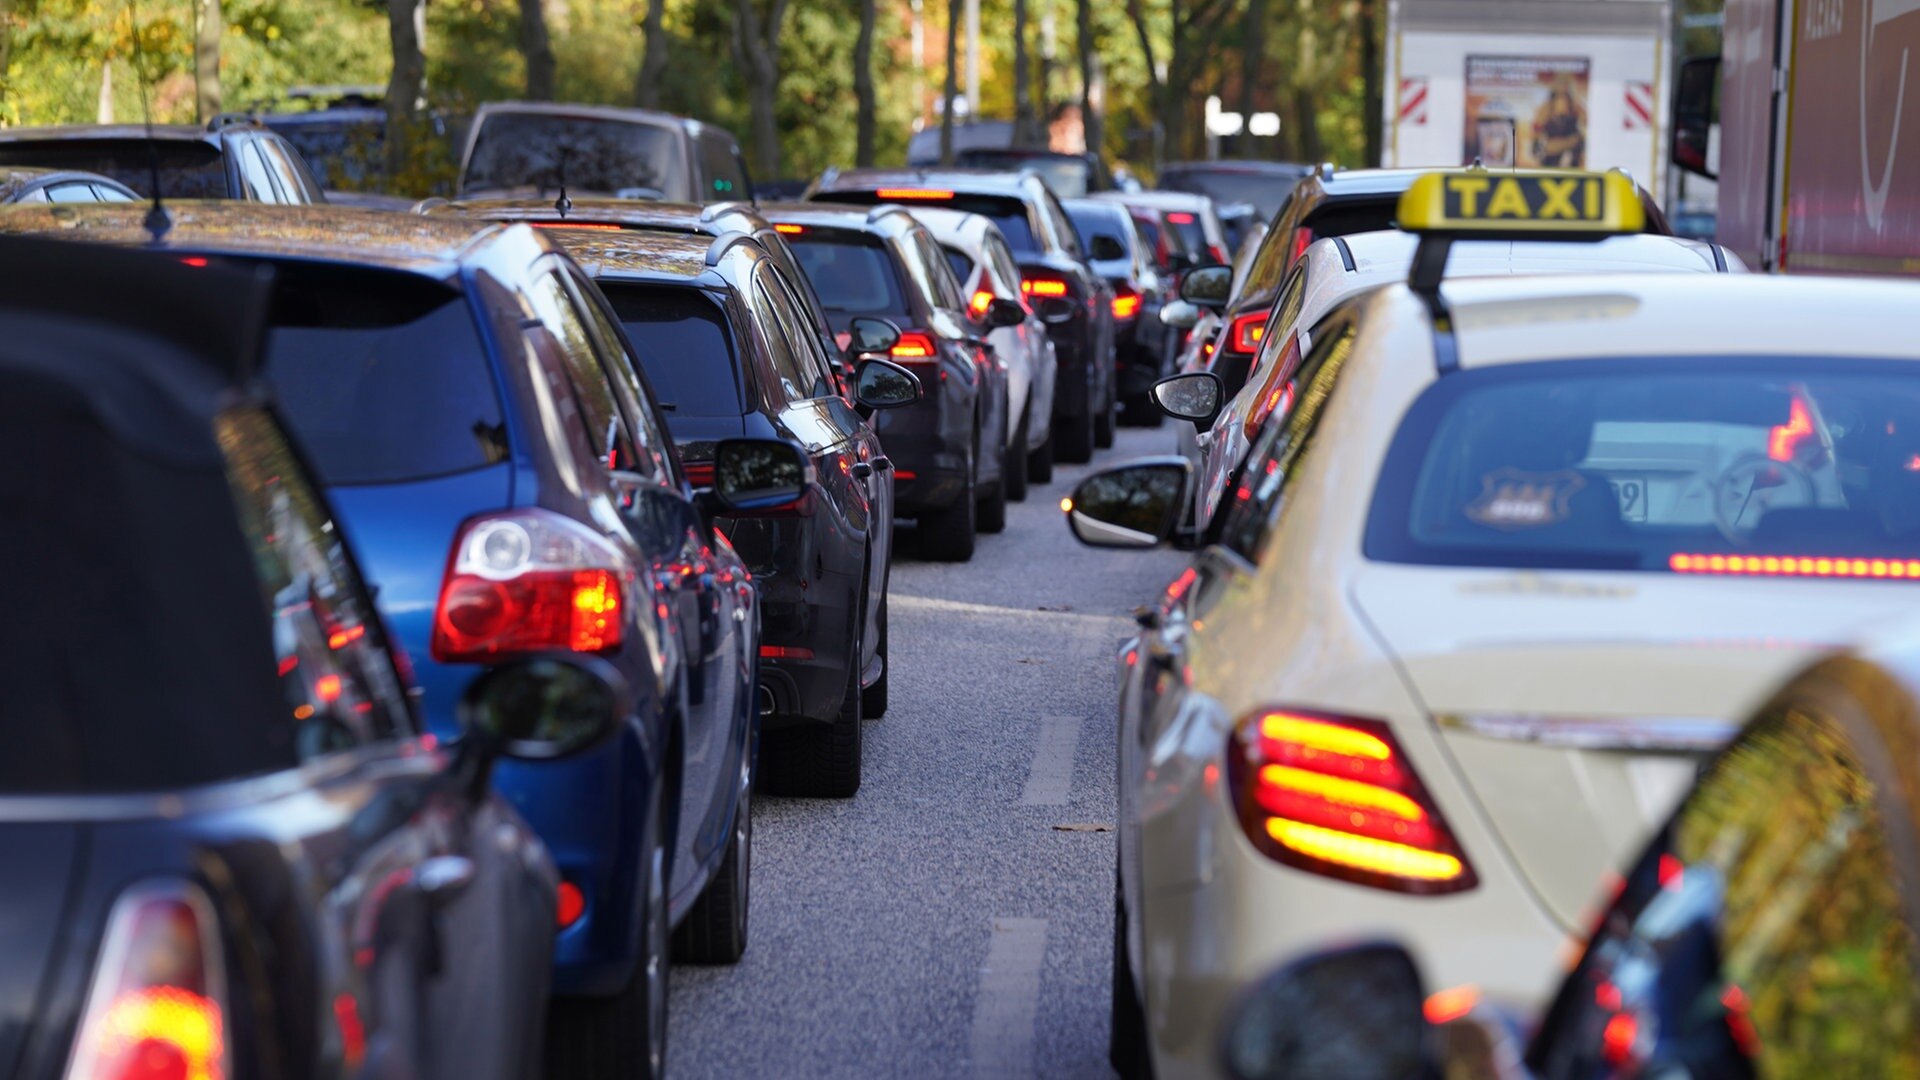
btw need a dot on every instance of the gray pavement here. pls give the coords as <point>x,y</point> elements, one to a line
<point>940,923</point>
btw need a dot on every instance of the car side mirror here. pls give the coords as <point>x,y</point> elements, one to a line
<point>1179,314</point>
<point>1207,286</point>
<point>1004,313</point>
<point>883,384</point>
<point>1694,99</point>
<point>1136,505</point>
<point>755,476</point>
<point>1192,395</point>
<point>544,707</point>
<point>1105,248</point>
<point>867,334</point>
<point>1356,1011</point>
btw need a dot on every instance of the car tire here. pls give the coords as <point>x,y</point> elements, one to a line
<point>991,516</point>
<point>1073,439</point>
<point>820,761</point>
<point>1013,473</point>
<point>624,1037</point>
<point>714,930</point>
<point>947,535</point>
<point>1103,427</point>
<point>1040,462</point>
<point>1127,1031</point>
<point>873,699</point>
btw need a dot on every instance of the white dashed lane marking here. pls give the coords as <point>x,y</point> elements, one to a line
<point>1050,779</point>
<point>1003,1010</point>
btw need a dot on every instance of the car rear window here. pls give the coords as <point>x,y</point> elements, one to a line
<point>189,169</point>
<point>1266,191</point>
<point>1745,466</point>
<point>1068,176</point>
<point>1011,214</point>
<point>959,263</point>
<point>853,273</point>
<point>1089,222</point>
<point>384,375</point>
<point>614,157</point>
<point>681,337</point>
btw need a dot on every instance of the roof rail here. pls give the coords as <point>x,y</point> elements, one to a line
<point>724,243</point>
<point>225,120</point>
<point>1327,169</point>
<point>881,210</point>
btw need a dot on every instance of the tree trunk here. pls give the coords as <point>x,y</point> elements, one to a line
<point>1253,67</point>
<point>407,87</point>
<point>206,58</point>
<point>863,85</point>
<point>1022,80</point>
<point>1091,92</point>
<point>653,61</point>
<point>758,39</point>
<point>6,51</point>
<point>953,82</point>
<point>537,47</point>
<point>1371,77</point>
<point>1306,126</point>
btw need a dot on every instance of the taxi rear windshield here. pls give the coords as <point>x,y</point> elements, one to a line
<point>1756,467</point>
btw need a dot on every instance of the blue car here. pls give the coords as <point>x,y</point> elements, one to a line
<point>485,433</point>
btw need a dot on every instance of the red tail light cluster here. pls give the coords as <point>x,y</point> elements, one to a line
<point>981,300</point>
<point>530,581</point>
<point>1337,796</point>
<point>915,345</point>
<point>157,1004</point>
<point>699,473</point>
<point>1126,301</point>
<point>1044,285</point>
<point>1245,332</point>
<point>1825,566</point>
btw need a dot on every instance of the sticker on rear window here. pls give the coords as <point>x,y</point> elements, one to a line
<point>1512,499</point>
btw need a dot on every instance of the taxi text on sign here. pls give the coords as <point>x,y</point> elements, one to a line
<point>1481,202</point>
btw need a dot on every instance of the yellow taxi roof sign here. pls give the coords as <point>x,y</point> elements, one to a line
<point>1542,204</point>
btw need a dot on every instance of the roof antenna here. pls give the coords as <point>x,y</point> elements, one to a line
<point>562,204</point>
<point>157,221</point>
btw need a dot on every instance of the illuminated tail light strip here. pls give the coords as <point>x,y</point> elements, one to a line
<point>1126,302</point>
<point>1244,335</point>
<point>1795,566</point>
<point>915,347</point>
<point>1336,796</point>
<point>157,1003</point>
<point>1043,286</point>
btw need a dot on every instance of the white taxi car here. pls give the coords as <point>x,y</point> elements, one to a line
<point>1517,553</point>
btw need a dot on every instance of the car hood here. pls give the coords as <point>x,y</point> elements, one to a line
<point>1578,707</point>
<point>39,858</point>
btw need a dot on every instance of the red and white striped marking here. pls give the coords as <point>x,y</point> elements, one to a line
<point>1413,102</point>
<point>1639,112</point>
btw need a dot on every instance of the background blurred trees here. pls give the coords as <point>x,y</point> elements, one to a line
<point>783,75</point>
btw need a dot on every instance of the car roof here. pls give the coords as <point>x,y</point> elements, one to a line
<point>705,218</point>
<point>1385,256</point>
<point>103,132</point>
<point>954,226</point>
<point>1157,200</point>
<point>430,246</point>
<point>969,181</point>
<point>1264,168</point>
<point>623,114</point>
<point>835,215</point>
<point>1521,319</point>
<point>635,254</point>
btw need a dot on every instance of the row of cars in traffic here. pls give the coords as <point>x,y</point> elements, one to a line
<point>414,599</point>
<point>1509,510</point>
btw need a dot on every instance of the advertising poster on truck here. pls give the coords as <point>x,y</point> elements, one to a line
<point>1527,111</point>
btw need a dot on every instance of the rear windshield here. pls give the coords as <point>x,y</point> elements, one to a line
<point>1089,222</point>
<point>614,157</point>
<point>384,376</point>
<point>1192,231</point>
<point>1011,214</point>
<point>188,169</point>
<point>1729,466</point>
<point>1066,175</point>
<point>853,273</point>
<point>682,339</point>
<point>1266,191</point>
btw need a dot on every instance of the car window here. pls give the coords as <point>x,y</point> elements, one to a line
<point>71,193</point>
<point>720,162</point>
<point>959,263</point>
<point>1006,271</point>
<point>652,441</point>
<point>806,342</point>
<point>681,336</point>
<point>256,180</point>
<point>772,318</point>
<point>295,182</point>
<point>593,391</point>
<point>383,375</point>
<point>1768,931</point>
<point>335,667</point>
<point>853,274</point>
<point>1258,498</point>
<point>1279,325</point>
<point>1059,226</point>
<point>613,157</point>
<point>103,193</point>
<point>189,169</point>
<point>926,267</point>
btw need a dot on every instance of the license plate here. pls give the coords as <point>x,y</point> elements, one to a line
<point>1631,491</point>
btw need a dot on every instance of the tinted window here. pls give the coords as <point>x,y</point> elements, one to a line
<point>646,426</point>
<point>927,266</point>
<point>1004,268</point>
<point>853,274</point>
<point>384,376</point>
<point>681,336</point>
<point>779,325</point>
<point>296,183</point>
<point>718,160</point>
<point>585,154</point>
<point>256,180</point>
<point>959,263</point>
<point>1652,465</point>
<point>188,170</point>
<point>593,391</point>
<point>807,345</point>
<point>70,193</point>
<point>1011,213</point>
<point>1259,494</point>
<point>1089,222</point>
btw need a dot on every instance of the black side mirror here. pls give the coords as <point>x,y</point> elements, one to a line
<point>883,384</point>
<point>1002,313</point>
<point>1351,1012</point>
<point>1136,505</point>
<point>867,334</point>
<point>543,708</point>
<point>758,475</point>
<point>1106,248</point>
<point>1207,286</point>
<point>1193,395</point>
<point>1695,98</point>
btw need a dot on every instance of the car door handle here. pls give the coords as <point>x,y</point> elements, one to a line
<point>442,878</point>
<point>862,470</point>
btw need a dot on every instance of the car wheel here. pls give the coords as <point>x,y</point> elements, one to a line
<point>1013,473</point>
<point>1040,462</point>
<point>624,1037</point>
<point>1103,427</point>
<point>1073,439</point>
<point>714,930</point>
<point>873,700</point>
<point>820,761</point>
<point>1127,1035</point>
<point>992,514</point>
<point>947,535</point>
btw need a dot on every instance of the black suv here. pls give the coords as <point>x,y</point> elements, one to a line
<point>1075,302</point>
<point>719,330</point>
<point>232,157</point>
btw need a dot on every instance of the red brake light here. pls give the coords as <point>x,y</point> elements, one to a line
<point>981,301</point>
<point>1795,566</point>
<point>790,230</point>
<point>699,473</point>
<point>569,905</point>
<point>575,225</point>
<point>1180,217</point>
<point>1126,301</point>
<point>1337,796</point>
<point>1043,286</point>
<point>530,581</point>
<point>1247,330</point>
<point>197,261</point>
<point>914,345</point>
<point>156,1006</point>
<point>916,194</point>
<point>786,652</point>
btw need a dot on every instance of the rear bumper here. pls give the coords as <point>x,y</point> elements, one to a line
<point>809,580</point>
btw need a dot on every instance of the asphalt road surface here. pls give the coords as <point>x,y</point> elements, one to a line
<point>943,923</point>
